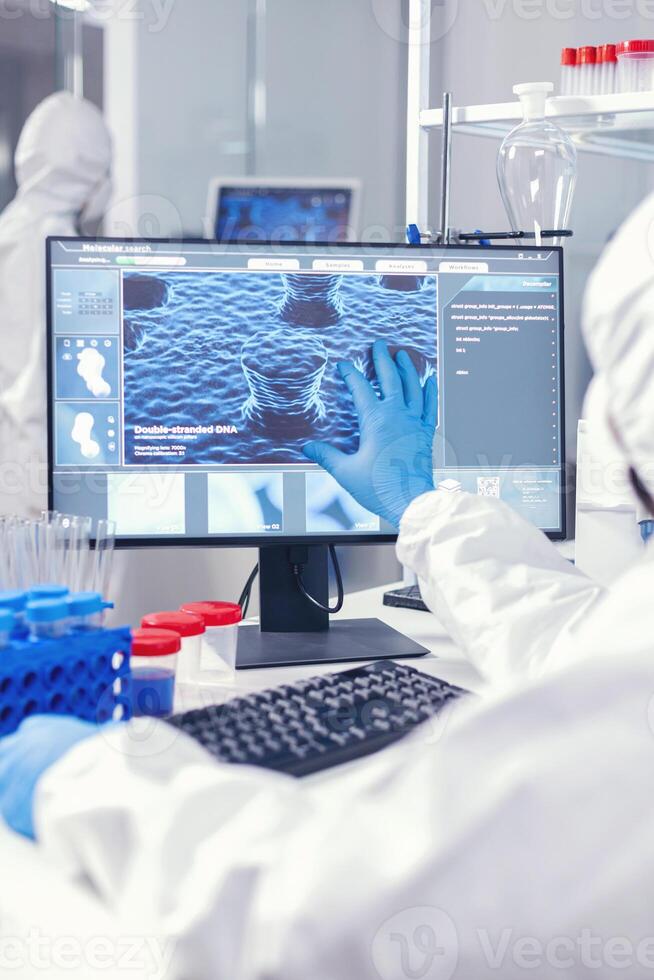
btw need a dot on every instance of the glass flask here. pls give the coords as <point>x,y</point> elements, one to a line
<point>537,168</point>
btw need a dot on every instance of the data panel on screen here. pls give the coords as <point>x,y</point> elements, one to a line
<point>186,378</point>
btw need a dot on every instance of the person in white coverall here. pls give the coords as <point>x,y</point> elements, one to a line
<point>62,165</point>
<point>518,844</point>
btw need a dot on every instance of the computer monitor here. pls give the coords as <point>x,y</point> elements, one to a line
<point>185,377</point>
<point>283,209</point>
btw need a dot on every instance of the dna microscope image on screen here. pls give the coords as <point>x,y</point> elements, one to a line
<point>242,367</point>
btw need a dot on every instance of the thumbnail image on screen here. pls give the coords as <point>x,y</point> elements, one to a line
<point>330,508</point>
<point>87,367</point>
<point>147,503</point>
<point>237,368</point>
<point>283,214</point>
<point>87,433</point>
<point>248,503</point>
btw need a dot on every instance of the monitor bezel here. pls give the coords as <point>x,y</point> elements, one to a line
<point>216,185</point>
<point>273,540</point>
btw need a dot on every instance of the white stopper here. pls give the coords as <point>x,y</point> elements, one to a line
<point>533,96</point>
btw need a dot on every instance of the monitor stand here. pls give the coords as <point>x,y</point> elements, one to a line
<point>294,632</point>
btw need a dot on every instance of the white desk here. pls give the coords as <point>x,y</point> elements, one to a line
<point>443,660</point>
<point>37,905</point>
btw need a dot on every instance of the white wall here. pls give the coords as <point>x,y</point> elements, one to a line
<point>336,103</point>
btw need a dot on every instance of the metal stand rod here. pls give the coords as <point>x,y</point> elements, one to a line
<point>478,236</point>
<point>446,160</point>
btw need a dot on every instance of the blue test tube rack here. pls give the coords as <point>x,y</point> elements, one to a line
<point>82,674</point>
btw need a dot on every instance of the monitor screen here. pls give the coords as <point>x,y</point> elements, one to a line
<point>269,213</point>
<point>185,377</point>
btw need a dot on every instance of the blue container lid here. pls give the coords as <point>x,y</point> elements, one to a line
<point>13,600</point>
<point>84,603</point>
<point>7,620</point>
<point>46,610</point>
<point>48,592</point>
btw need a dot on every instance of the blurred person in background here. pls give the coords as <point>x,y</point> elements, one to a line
<point>63,168</point>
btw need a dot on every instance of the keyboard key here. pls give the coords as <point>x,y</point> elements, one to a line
<point>338,738</point>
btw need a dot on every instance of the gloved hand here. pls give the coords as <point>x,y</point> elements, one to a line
<point>26,755</point>
<point>393,464</point>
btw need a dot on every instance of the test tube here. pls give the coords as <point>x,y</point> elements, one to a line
<point>15,553</point>
<point>568,70</point>
<point>48,551</point>
<point>21,555</point>
<point>586,59</point>
<point>609,62</point>
<point>69,554</point>
<point>25,554</point>
<point>79,544</point>
<point>105,540</point>
<point>5,567</point>
<point>10,573</point>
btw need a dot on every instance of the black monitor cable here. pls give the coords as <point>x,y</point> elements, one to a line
<point>246,594</point>
<point>297,571</point>
<point>244,601</point>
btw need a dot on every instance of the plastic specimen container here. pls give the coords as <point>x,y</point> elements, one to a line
<point>635,71</point>
<point>221,620</point>
<point>47,618</point>
<point>85,610</point>
<point>48,592</point>
<point>154,665</point>
<point>191,630</point>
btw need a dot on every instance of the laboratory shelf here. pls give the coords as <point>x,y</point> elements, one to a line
<point>611,125</point>
<point>619,126</point>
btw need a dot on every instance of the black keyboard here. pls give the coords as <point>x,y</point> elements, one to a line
<point>407,598</point>
<point>320,722</point>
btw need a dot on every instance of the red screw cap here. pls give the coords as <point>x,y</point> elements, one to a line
<point>587,56</point>
<point>635,47</point>
<point>186,624</point>
<point>155,643</point>
<point>215,613</point>
<point>606,54</point>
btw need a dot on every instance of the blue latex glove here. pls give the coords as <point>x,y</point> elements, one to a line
<point>393,464</point>
<point>26,755</point>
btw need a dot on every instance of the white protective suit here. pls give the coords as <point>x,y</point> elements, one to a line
<point>519,843</point>
<point>62,163</point>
